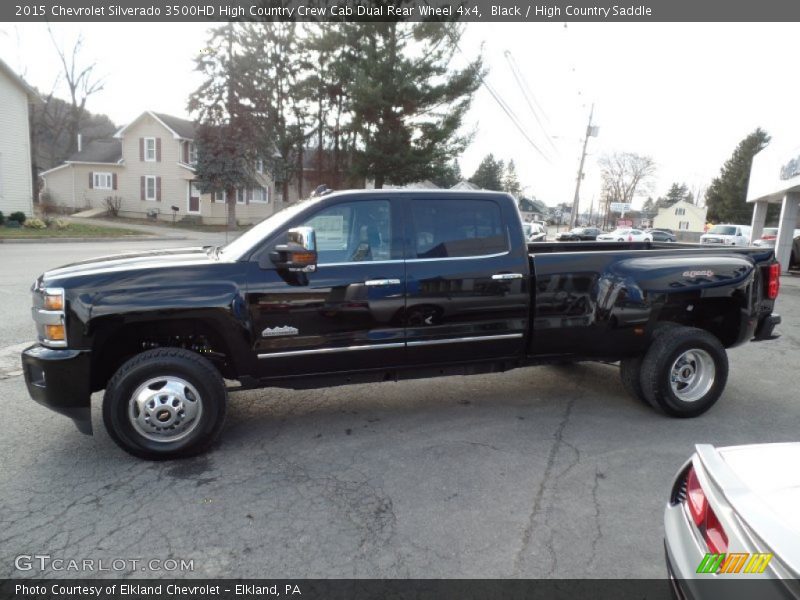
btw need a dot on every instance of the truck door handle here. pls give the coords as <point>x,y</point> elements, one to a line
<point>381,282</point>
<point>506,276</point>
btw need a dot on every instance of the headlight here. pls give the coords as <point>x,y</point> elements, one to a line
<point>50,317</point>
<point>54,301</point>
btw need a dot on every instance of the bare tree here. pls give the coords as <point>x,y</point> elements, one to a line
<point>81,82</point>
<point>626,174</point>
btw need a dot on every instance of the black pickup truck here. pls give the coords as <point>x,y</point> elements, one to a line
<point>369,286</point>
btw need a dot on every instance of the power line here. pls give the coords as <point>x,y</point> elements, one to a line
<point>506,109</point>
<point>530,99</point>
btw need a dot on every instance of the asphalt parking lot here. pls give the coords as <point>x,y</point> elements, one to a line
<point>541,472</point>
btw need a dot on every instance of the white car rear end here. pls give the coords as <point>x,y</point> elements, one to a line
<point>740,504</point>
<point>625,235</point>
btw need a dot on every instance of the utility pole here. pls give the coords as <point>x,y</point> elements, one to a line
<point>591,131</point>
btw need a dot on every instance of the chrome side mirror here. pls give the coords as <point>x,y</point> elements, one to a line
<point>299,253</point>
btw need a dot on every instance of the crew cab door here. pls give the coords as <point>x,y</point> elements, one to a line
<point>347,314</point>
<point>467,290</point>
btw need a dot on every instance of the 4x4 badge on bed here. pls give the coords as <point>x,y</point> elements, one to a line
<point>693,274</point>
<point>276,331</point>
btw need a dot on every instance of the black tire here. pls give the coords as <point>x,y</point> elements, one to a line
<point>205,395</point>
<point>630,372</point>
<point>630,369</point>
<point>706,359</point>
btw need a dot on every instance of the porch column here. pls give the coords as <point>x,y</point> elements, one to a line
<point>759,218</point>
<point>786,226</point>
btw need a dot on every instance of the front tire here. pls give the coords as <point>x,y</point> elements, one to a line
<point>684,371</point>
<point>165,403</point>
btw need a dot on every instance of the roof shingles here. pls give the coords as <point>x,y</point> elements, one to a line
<point>99,151</point>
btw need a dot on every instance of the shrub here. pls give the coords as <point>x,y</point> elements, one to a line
<point>113,204</point>
<point>46,205</point>
<point>18,216</point>
<point>35,224</point>
<point>2,218</point>
<point>61,223</point>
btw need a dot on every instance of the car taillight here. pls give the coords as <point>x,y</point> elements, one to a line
<point>773,281</point>
<point>703,515</point>
<point>696,497</point>
<point>716,539</point>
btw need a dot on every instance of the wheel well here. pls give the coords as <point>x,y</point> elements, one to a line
<point>721,317</point>
<point>114,343</point>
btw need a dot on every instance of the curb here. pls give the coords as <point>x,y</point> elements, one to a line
<point>64,240</point>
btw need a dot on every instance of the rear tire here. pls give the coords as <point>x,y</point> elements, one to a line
<point>684,371</point>
<point>165,403</point>
<point>630,372</point>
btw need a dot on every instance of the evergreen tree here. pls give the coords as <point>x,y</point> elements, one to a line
<point>407,103</point>
<point>227,146</point>
<point>281,93</point>
<point>489,174</point>
<point>726,196</point>
<point>447,175</point>
<point>511,181</point>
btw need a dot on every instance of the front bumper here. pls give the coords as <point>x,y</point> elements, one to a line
<point>59,380</point>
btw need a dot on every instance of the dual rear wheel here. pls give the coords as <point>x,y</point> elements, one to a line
<point>683,373</point>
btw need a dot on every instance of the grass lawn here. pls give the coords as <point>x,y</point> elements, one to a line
<point>73,230</point>
<point>177,225</point>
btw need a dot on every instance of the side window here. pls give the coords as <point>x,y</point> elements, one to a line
<point>453,228</point>
<point>353,232</point>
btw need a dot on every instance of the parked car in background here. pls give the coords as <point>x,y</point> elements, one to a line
<point>534,232</point>
<point>732,514</point>
<point>727,235</point>
<point>661,235</point>
<point>625,234</point>
<point>579,234</point>
<point>768,237</point>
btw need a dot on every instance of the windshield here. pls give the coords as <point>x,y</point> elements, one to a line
<point>723,230</point>
<point>769,231</point>
<point>241,245</point>
<point>526,228</point>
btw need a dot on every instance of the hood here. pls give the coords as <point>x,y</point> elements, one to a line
<point>153,259</point>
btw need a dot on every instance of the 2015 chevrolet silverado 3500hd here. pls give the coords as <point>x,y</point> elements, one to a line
<point>366,286</point>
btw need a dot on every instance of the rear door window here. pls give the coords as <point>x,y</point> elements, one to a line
<point>456,228</point>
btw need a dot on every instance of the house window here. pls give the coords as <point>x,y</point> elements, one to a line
<point>150,149</point>
<point>260,194</point>
<point>149,187</point>
<point>219,197</point>
<point>680,211</point>
<point>683,225</point>
<point>260,166</point>
<point>192,153</point>
<point>240,196</point>
<point>102,181</point>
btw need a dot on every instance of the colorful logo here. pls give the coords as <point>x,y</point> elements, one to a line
<point>742,562</point>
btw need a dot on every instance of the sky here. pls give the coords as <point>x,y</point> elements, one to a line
<point>683,93</point>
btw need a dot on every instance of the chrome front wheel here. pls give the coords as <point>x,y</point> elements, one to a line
<point>165,403</point>
<point>165,409</point>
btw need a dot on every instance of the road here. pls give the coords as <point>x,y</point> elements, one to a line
<point>542,472</point>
